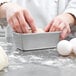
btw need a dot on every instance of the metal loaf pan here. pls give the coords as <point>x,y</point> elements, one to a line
<point>33,41</point>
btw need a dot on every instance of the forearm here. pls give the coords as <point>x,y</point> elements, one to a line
<point>2,9</point>
<point>2,12</point>
<point>7,7</point>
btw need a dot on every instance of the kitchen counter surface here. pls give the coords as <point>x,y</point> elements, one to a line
<point>46,62</point>
<point>39,63</point>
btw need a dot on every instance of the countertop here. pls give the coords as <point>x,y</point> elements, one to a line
<point>45,62</point>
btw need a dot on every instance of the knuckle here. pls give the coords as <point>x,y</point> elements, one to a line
<point>17,13</point>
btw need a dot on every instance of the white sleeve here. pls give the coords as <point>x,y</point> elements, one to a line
<point>1,1</point>
<point>71,8</point>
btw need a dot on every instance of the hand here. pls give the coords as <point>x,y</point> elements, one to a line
<point>20,19</point>
<point>60,23</point>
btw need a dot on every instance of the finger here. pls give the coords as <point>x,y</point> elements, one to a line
<point>55,26</point>
<point>16,24</point>
<point>68,27</point>
<point>47,28</point>
<point>61,27</point>
<point>30,21</point>
<point>64,33</point>
<point>23,23</point>
<point>12,24</point>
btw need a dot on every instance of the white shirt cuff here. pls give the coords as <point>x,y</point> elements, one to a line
<point>71,11</point>
<point>1,1</point>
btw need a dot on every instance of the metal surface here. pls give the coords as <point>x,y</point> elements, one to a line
<point>36,40</point>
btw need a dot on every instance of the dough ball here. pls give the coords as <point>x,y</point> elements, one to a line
<point>73,42</point>
<point>40,31</point>
<point>3,59</point>
<point>64,47</point>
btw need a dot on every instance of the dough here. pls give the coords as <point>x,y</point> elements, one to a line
<point>40,31</point>
<point>64,47</point>
<point>3,59</point>
<point>73,42</point>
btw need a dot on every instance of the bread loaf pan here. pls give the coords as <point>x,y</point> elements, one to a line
<point>33,41</point>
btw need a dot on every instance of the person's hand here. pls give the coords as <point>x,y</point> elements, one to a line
<point>60,23</point>
<point>20,19</point>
